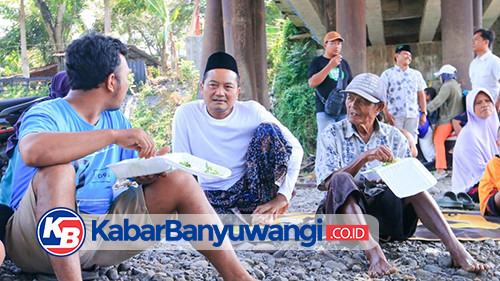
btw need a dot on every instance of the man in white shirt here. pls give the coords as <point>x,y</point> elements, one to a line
<point>263,155</point>
<point>484,70</point>
<point>405,93</point>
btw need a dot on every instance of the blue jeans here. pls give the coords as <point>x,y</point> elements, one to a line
<point>323,120</point>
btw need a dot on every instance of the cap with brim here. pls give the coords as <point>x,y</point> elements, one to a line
<point>221,60</point>
<point>447,68</point>
<point>333,35</point>
<point>401,48</point>
<point>368,86</point>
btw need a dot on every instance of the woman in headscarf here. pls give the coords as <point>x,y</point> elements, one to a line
<point>449,103</point>
<point>475,145</point>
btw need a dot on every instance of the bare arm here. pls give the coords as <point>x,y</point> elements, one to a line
<point>319,77</point>
<point>422,105</point>
<point>389,117</point>
<point>381,153</point>
<point>51,148</point>
<point>456,126</point>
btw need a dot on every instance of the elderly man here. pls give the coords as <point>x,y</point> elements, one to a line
<point>484,70</point>
<point>263,155</point>
<point>405,89</point>
<point>361,142</point>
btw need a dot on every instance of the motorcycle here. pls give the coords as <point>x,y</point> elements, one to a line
<point>10,111</point>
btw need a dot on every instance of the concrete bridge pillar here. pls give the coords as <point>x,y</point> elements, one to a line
<point>456,35</point>
<point>238,28</point>
<point>477,10</point>
<point>351,24</point>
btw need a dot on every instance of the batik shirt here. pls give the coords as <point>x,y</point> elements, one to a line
<point>340,144</point>
<point>402,91</point>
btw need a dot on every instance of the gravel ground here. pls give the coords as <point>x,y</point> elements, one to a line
<point>415,260</point>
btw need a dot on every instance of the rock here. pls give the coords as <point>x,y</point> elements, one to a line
<point>490,242</point>
<point>445,262</point>
<point>336,266</point>
<point>279,254</point>
<point>137,271</point>
<point>315,264</point>
<point>431,252</point>
<point>497,273</point>
<point>259,274</point>
<point>432,268</point>
<point>356,268</point>
<point>423,274</point>
<point>464,273</point>
<point>112,274</point>
<point>409,277</point>
<point>199,264</point>
<point>278,278</point>
<point>123,266</point>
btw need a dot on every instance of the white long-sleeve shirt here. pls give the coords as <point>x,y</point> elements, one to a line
<point>225,141</point>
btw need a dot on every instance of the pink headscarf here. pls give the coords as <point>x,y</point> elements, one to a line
<point>475,146</point>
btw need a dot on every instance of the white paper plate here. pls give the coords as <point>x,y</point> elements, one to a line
<point>140,167</point>
<point>406,177</point>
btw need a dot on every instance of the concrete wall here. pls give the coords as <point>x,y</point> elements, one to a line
<point>427,58</point>
<point>194,46</point>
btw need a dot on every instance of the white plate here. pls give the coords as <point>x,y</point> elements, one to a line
<point>140,167</point>
<point>406,177</point>
<point>198,166</point>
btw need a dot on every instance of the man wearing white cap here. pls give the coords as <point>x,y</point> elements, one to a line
<point>449,103</point>
<point>484,70</point>
<point>324,73</point>
<point>360,143</point>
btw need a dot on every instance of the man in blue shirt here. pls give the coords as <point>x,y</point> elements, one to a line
<point>66,145</point>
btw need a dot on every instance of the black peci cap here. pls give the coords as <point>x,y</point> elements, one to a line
<point>221,60</point>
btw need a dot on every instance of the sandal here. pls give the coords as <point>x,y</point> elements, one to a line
<point>466,201</point>
<point>448,200</point>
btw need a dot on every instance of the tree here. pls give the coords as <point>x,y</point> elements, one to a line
<point>107,17</point>
<point>58,23</point>
<point>24,48</point>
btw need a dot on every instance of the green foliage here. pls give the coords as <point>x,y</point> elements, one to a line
<point>296,111</point>
<point>154,114</point>
<point>293,98</point>
<point>189,74</point>
<point>18,91</point>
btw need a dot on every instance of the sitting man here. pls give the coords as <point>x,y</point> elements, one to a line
<point>359,143</point>
<point>489,186</point>
<point>263,156</point>
<point>69,142</point>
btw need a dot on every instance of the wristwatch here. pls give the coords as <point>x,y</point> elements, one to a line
<point>423,111</point>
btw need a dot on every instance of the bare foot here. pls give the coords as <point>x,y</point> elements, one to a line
<point>462,258</point>
<point>378,263</point>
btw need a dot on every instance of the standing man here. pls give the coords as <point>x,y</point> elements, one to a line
<point>405,93</point>
<point>484,70</point>
<point>324,74</point>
